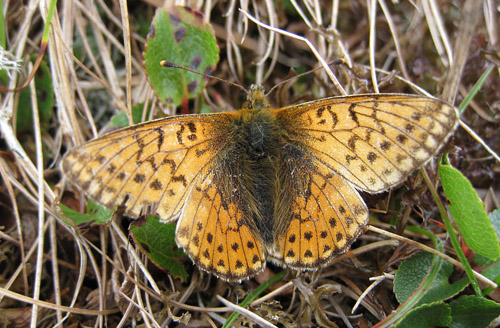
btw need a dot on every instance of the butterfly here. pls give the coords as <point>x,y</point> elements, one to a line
<point>260,183</point>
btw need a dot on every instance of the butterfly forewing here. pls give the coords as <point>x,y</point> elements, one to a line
<point>373,141</point>
<point>146,164</point>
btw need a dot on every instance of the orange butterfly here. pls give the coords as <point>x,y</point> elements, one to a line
<point>260,183</point>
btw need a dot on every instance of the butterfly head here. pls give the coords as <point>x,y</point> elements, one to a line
<point>256,98</point>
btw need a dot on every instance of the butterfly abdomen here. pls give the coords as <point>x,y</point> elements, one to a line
<point>263,139</point>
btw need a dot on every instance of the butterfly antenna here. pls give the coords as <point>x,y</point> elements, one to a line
<point>166,63</point>
<point>335,62</point>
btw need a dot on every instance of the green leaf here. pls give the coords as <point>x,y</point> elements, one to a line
<point>491,269</point>
<point>495,221</point>
<point>411,301</point>
<point>120,120</point>
<point>411,273</point>
<point>157,241</point>
<point>473,311</point>
<point>469,213</point>
<point>45,101</point>
<point>3,37</point>
<point>426,315</point>
<point>441,289</point>
<point>180,36</point>
<point>488,268</point>
<point>95,215</point>
<point>205,109</point>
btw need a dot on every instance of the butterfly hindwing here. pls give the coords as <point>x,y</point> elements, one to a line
<point>326,217</point>
<point>214,232</point>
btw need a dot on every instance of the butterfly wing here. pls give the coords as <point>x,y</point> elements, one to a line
<point>172,163</point>
<point>216,234</point>
<point>327,216</point>
<point>155,163</point>
<point>373,141</point>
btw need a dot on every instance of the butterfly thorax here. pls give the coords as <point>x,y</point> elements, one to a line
<point>256,98</point>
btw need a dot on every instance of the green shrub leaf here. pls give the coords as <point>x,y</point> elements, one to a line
<point>94,215</point>
<point>411,273</point>
<point>426,315</point>
<point>473,311</point>
<point>469,213</point>
<point>180,36</point>
<point>120,120</point>
<point>157,241</point>
<point>45,101</point>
